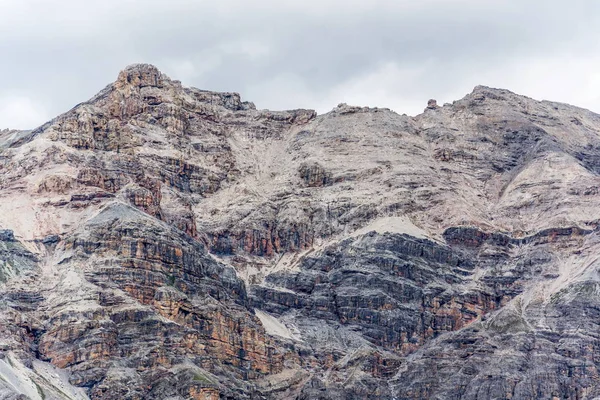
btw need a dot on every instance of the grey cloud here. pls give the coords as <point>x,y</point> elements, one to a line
<point>399,53</point>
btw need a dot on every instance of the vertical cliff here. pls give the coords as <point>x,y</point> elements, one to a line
<point>159,241</point>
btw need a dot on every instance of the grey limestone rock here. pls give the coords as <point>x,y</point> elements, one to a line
<point>164,242</point>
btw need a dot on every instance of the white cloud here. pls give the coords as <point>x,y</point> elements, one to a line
<point>560,77</point>
<point>311,54</point>
<point>251,48</point>
<point>21,112</point>
<point>389,86</point>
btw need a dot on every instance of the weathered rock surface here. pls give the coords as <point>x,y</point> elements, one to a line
<point>163,242</point>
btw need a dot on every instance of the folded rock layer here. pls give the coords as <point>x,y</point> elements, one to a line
<point>164,242</point>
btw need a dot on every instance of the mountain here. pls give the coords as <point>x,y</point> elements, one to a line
<point>164,242</point>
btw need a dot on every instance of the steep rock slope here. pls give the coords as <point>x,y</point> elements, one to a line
<point>166,242</point>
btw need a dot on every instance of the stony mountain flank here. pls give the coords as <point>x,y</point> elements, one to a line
<point>164,242</point>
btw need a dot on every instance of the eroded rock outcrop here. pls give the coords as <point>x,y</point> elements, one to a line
<point>159,241</point>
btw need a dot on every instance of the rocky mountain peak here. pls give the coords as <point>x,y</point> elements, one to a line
<point>432,104</point>
<point>159,241</point>
<point>141,75</point>
<point>149,79</point>
<point>481,93</point>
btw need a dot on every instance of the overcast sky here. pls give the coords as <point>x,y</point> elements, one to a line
<point>299,54</point>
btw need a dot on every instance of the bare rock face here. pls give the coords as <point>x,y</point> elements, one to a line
<point>164,242</point>
<point>432,105</point>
